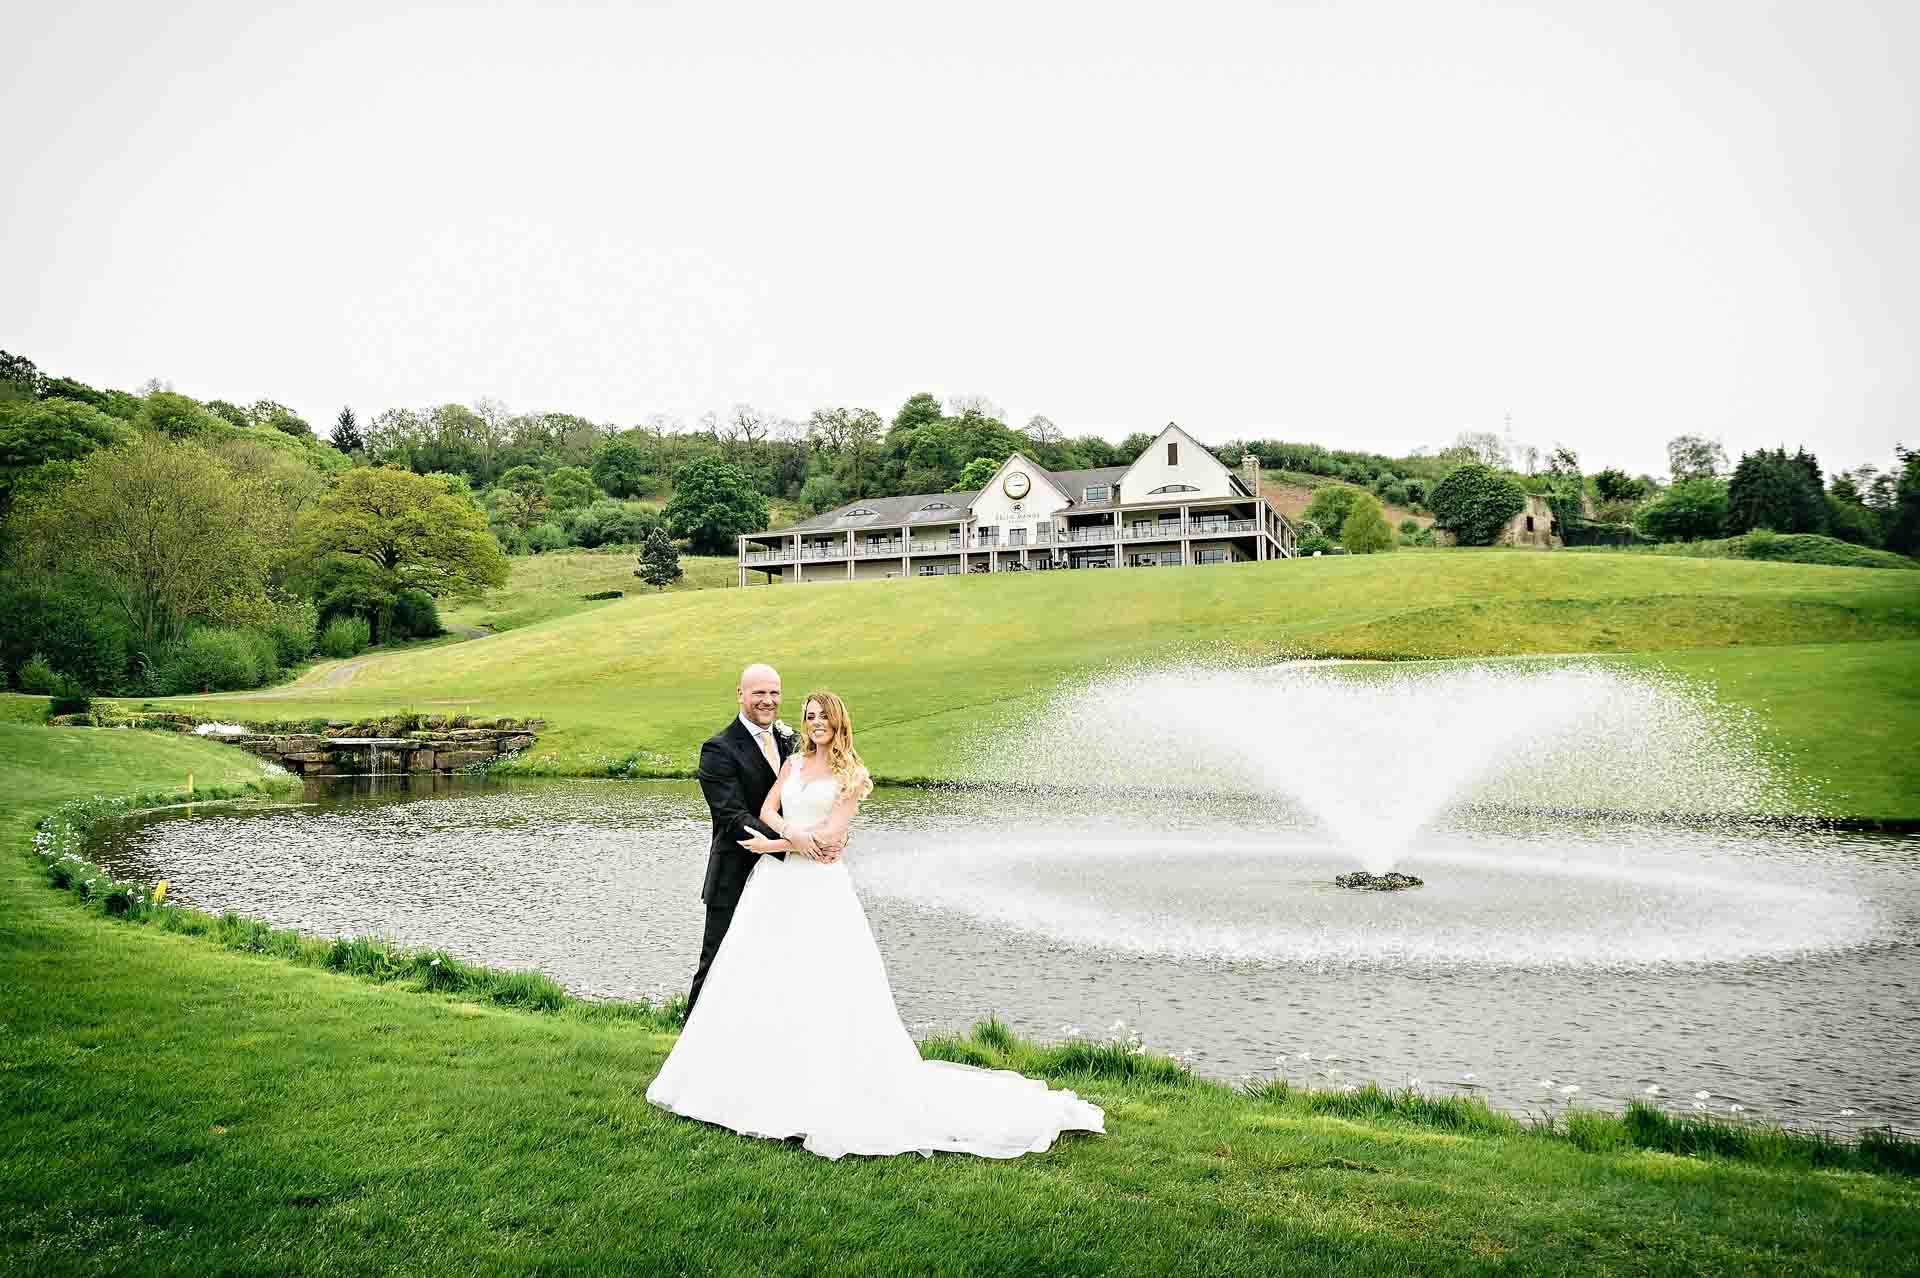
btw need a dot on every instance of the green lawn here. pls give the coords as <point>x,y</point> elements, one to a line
<point>924,661</point>
<point>171,1107</point>
<point>541,587</point>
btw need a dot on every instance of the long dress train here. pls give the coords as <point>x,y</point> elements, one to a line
<point>796,1033</point>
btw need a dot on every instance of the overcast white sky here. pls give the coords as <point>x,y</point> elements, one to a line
<point>1367,224</point>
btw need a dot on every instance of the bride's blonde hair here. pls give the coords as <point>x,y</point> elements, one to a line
<point>842,759</point>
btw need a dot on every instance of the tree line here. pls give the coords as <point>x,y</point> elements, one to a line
<point>151,544</point>
<point>158,544</point>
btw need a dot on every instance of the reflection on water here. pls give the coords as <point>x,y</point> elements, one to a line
<point>1776,971</point>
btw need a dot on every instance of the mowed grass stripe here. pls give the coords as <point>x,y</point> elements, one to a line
<point>921,661</point>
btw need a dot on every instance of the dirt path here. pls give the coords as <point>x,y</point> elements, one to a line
<point>335,677</point>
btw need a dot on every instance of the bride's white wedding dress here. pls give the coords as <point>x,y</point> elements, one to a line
<point>796,1033</point>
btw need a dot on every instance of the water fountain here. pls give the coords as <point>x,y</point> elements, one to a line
<point>1373,753</point>
<point>1162,845</point>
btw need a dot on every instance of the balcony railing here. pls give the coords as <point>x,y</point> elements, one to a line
<point>1098,534</point>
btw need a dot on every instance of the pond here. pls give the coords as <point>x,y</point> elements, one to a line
<point>1776,970</point>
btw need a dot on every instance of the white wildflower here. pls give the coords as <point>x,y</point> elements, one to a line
<point>1570,1089</point>
<point>1703,1095</point>
<point>1654,1089</point>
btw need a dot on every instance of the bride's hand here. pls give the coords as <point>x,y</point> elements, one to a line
<point>760,845</point>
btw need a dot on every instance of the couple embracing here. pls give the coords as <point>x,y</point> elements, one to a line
<point>791,1028</point>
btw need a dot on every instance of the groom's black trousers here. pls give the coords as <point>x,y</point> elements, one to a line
<point>719,919</point>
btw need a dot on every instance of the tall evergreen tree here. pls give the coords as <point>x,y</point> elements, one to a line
<point>1773,490</point>
<point>659,561</point>
<point>1903,524</point>
<point>347,436</point>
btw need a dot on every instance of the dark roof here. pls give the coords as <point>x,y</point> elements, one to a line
<point>1074,483</point>
<point>885,511</point>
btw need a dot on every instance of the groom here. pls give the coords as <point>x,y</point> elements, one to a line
<point>738,765</point>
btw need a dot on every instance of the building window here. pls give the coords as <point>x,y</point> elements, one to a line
<point>857,510</point>
<point>1210,555</point>
<point>1095,492</point>
<point>1529,523</point>
<point>938,505</point>
<point>1173,488</point>
<point>1173,453</point>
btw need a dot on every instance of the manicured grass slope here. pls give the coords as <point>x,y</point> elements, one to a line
<point>541,587</point>
<point>924,662</point>
<point>171,1108</point>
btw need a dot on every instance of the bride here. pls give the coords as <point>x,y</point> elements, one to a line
<point>796,1034</point>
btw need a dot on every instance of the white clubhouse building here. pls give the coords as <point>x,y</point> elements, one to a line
<point>1175,505</point>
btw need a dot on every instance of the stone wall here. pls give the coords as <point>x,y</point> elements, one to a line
<point>345,748</point>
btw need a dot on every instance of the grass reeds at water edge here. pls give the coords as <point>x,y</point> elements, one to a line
<point>63,833</point>
<point>1643,1127</point>
<point>991,1043</point>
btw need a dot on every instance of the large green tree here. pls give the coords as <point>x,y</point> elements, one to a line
<point>382,530</point>
<point>1903,520</point>
<point>1330,507</point>
<point>161,528</point>
<point>1475,502</point>
<point>33,434</point>
<point>180,416</point>
<point>713,505</point>
<point>1772,490</point>
<point>1695,457</point>
<point>976,473</point>
<point>621,468</point>
<point>1365,530</point>
<point>1688,511</point>
<point>570,488</point>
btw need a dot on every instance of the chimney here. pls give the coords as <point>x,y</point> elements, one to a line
<point>1250,472</point>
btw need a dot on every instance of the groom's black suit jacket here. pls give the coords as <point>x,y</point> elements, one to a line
<point>735,778</point>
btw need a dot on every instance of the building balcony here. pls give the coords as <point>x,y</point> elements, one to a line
<point>1011,540</point>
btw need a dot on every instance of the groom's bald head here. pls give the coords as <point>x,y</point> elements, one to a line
<point>759,693</point>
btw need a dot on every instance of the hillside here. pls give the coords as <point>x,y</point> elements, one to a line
<point>541,587</point>
<point>926,660</point>
<point>1290,491</point>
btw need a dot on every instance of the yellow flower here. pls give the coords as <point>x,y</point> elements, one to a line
<point>160,891</point>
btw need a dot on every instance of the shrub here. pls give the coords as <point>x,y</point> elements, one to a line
<point>415,615</point>
<point>214,660</point>
<point>1365,531</point>
<point>293,629</point>
<point>1475,501</point>
<point>72,634</point>
<point>1330,507</point>
<point>36,676</point>
<point>1691,509</point>
<point>614,523</point>
<point>544,537</point>
<point>345,636</point>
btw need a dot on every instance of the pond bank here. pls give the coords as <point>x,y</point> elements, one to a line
<point>344,1123</point>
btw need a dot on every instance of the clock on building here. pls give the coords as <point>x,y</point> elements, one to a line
<point>1016,484</point>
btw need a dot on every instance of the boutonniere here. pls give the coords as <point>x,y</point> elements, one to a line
<point>780,727</point>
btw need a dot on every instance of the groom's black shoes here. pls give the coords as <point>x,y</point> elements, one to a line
<point>735,778</point>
